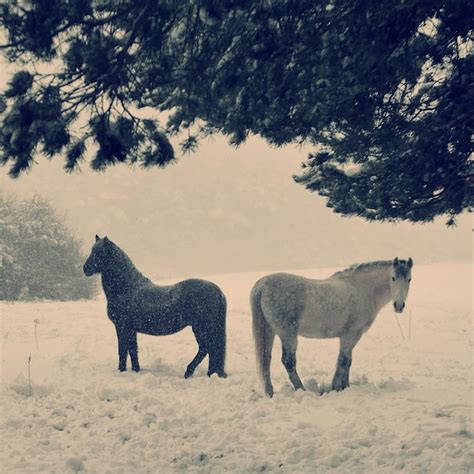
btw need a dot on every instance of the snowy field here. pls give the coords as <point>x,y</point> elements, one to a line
<point>409,407</point>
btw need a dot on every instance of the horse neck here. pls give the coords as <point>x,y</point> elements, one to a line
<point>120,274</point>
<point>376,281</point>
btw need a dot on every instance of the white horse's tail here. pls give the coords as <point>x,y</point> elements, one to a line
<point>264,336</point>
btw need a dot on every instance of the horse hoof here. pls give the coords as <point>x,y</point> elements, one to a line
<point>122,370</point>
<point>188,375</point>
<point>136,369</point>
<point>222,375</point>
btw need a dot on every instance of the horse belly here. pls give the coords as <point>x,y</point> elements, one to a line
<point>159,323</point>
<point>319,325</point>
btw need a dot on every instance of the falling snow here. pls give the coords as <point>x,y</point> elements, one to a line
<point>409,407</point>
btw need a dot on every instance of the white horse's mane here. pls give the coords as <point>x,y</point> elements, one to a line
<point>357,267</point>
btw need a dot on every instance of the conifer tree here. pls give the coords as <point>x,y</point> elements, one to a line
<point>39,257</point>
<point>382,90</point>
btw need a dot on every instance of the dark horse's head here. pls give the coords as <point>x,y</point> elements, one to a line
<point>98,258</point>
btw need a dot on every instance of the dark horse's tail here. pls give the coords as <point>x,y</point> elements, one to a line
<point>217,340</point>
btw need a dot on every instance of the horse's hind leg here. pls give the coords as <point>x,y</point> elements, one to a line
<point>288,358</point>
<point>214,334</point>
<point>340,380</point>
<point>266,360</point>
<point>199,334</point>
<point>216,343</point>
<point>195,362</point>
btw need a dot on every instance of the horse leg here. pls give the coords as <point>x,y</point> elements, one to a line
<point>195,362</point>
<point>340,380</point>
<point>266,360</point>
<point>214,335</point>
<point>199,334</point>
<point>288,358</point>
<point>133,350</point>
<point>122,339</point>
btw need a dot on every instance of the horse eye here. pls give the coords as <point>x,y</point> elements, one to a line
<point>393,278</point>
<point>409,280</point>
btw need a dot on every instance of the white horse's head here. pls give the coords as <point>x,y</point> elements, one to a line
<point>400,278</point>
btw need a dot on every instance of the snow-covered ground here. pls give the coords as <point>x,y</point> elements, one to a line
<point>409,408</point>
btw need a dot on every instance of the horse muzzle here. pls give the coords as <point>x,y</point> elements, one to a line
<point>87,270</point>
<point>398,307</point>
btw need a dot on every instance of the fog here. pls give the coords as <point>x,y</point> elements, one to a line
<point>224,210</point>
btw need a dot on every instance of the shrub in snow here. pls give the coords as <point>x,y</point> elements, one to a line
<point>39,257</point>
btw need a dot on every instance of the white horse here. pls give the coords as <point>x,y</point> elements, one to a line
<point>344,305</point>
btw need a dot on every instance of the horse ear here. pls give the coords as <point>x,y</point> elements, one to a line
<point>97,237</point>
<point>106,239</point>
<point>410,262</point>
<point>395,261</point>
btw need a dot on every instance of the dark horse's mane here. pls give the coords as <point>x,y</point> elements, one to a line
<point>121,268</point>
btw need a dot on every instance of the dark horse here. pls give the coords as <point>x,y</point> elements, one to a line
<point>135,304</point>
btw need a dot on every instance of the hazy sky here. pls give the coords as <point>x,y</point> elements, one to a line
<point>225,210</point>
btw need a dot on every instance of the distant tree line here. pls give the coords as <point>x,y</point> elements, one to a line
<point>39,257</point>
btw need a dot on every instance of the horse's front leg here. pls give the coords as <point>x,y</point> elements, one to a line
<point>340,380</point>
<point>122,339</point>
<point>133,350</point>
